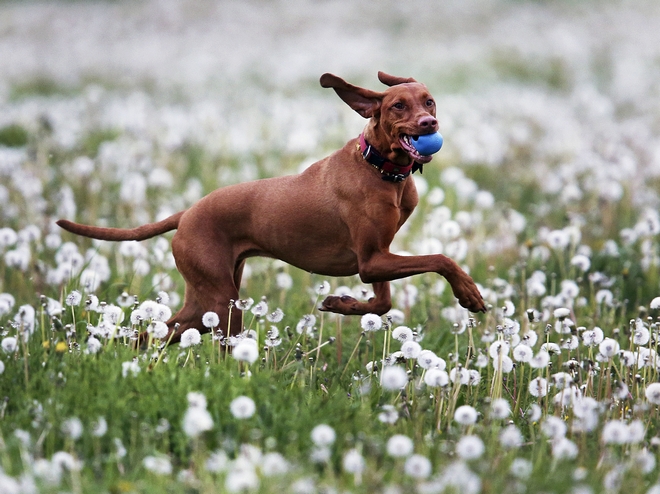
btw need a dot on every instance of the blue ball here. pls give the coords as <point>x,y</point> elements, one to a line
<point>427,144</point>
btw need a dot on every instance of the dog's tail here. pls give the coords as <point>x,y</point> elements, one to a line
<point>116,234</point>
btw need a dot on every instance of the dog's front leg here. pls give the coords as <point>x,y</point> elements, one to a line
<point>379,267</point>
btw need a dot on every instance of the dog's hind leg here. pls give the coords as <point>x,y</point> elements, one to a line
<point>379,304</point>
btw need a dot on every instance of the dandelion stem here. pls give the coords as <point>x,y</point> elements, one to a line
<point>352,355</point>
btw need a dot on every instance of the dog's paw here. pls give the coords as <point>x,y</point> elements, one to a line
<point>468,295</point>
<point>340,305</point>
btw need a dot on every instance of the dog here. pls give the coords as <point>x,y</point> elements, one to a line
<point>336,218</point>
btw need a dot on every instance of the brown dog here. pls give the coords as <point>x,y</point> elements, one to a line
<point>337,218</point>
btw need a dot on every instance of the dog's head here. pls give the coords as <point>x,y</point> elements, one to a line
<point>404,110</point>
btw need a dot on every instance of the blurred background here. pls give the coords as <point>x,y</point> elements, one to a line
<point>124,112</point>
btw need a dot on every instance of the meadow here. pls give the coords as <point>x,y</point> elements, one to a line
<point>547,192</point>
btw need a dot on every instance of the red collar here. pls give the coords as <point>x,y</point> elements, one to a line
<point>390,172</point>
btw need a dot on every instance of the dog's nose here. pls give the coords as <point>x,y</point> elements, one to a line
<point>428,123</point>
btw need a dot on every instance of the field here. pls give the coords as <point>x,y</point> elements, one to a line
<point>547,192</point>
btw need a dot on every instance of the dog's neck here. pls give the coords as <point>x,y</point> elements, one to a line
<point>389,170</point>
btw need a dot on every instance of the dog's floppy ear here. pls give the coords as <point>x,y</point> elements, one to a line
<point>392,80</point>
<point>363,101</point>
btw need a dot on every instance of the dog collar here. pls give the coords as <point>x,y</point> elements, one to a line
<point>390,172</point>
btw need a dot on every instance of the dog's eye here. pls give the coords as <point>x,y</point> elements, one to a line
<point>398,106</point>
<point>430,103</point>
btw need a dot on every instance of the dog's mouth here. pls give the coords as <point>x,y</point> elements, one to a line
<point>406,143</point>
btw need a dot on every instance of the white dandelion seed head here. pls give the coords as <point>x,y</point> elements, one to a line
<point>353,462</point>
<point>608,348</point>
<point>242,407</point>
<point>652,393</point>
<point>411,349</point>
<point>284,281</point>
<point>503,364</point>
<point>196,420</point>
<point>521,468</point>
<point>500,409</point>
<point>564,449</point>
<point>459,374</point>
<point>210,320</point>
<point>244,304</point>
<point>196,400</point>
<point>72,428</point>
<point>511,437</point>
<point>655,303</point>
<point>427,359</point>
<point>554,427</point>
<point>159,465</point>
<point>561,313</point>
<point>465,415</point>
<point>540,360</point>
<point>260,309</point>
<point>190,337</point>
<point>436,378</point>
<point>522,353</point>
<point>614,432</point>
<point>276,316</point>
<point>158,329</point>
<point>538,387</point>
<point>417,467</point>
<point>323,288</point>
<point>399,446</point>
<point>74,298</point>
<point>323,435</point>
<point>497,348</point>
<point>371,322</point>
<point>402,333</point>
<point>246,351</point>
<point>393,378</point>
<point>470,447</point>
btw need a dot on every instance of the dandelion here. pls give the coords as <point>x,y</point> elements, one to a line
<point>500,409</point>
<point>510,437</point>
<point>73,299</point>
<point>371,322</point>
<point>538,387</point>
<point>399,446</point>
<point>436,378</point>
<point>130,367</point>
<point>459,374</point>
<point>554,427</point>
<point>564,449</point>
<point>241,479</point>
<point>655,303</point>
<point>561,313</point>
<point>522,353</point>
<point>540,360</point>
<point>323,288</point>
<point>217,462</point>
<point>581,262</point>
<point>190,337</point>
<point>283,281</point>
<point>592,337</point>
<point>411,349</point>
<point>562,380</point>
<point>417,467</point>
<point>276,316</point>
<point>465,415</point>
<point>210,320</point>
<point>652,393</point>
<point>2,367</point>
<point>246,351</point>
<point>9,344</point>
<point>306,324</point>
<point>427,359</point>
<point>197,420</point>
<point>274,463</point>
<point>159,465</point>
<point>614,432</point>
<point>72,428</point>
<point>99,427</point>
<point>353,462</point>
<point>158,329</point>
<point>503,364</point>
<point>393,378</point>
<point>402,334</point>
<point>608,348</point>
<point>244,304</point>
<point>470,447</point>
<point>323,435</point>
<point>242,407</point>
<point>261,309</point>
<point>388,415</point>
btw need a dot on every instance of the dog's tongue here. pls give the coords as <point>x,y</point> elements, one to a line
<point>427,144</point>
